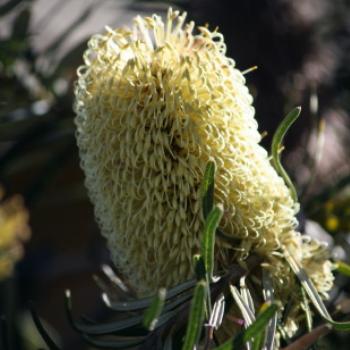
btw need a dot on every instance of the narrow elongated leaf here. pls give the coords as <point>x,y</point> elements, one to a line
<point>102,328</point>
<point>196,317</point>
<point>153,312</point>
<point>306,308</point>
<point>242,300</point>
<point>208,240</point>
<point>257,327</point>
<point>343,268</point>
<point>276,145</point>
<point>207,188</point>
<point>217,314</point>
<point>168,342</point>
<point>258,341</point>
<point>252,331</point>
<point>268,293</point>
<point>108,290</point>
<point>140,304</point>
<point>246,296</point>
<point>313,294</point>
<point>114,278</point>
<point>247,314</point>
<point>41,329</point>
<point>178,301</point>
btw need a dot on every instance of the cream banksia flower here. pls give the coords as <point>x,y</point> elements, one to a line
<point>154,104</point>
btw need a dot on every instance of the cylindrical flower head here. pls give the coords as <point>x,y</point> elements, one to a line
<point>154,104</point>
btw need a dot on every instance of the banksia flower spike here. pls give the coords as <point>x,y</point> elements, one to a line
<point>154,104</point>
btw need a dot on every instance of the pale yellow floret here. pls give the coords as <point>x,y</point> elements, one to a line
<point>154,104</point>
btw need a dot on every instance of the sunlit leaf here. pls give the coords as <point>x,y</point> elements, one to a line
<point>247,314</point>
<point>343,268</point>
<point>208,240</point>
<point>152,314</point>
<point>268,293</point>
<point>217,314</point>
<point>259,325</point>
<point>108,271</point>
<point>276,145</point>
<point>313,294</point>
<point>196,317</point>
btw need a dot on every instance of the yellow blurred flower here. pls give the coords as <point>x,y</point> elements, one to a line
<point>334,214</point>
<point>14,230</point>
<point>154,104</point>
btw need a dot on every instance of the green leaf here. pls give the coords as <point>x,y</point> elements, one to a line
<point>143,303</point>
<point>208,240</point>
<point>115,280</point>
<point>343,268</point>
<point>207,188</point>
<point>178,301</point>
<point>102,328</point>
<point>257,327</point>
<point>313,294</point>
<point>196,317</point>
<point>258,341</point>
<point>237,343</point>
<point>276,145</point>
<point>152,314</point>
